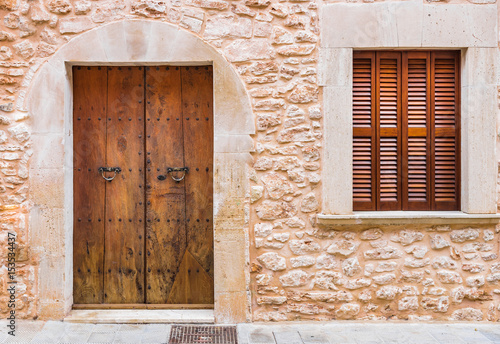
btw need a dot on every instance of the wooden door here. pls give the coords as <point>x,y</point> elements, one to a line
<point>143,237</point>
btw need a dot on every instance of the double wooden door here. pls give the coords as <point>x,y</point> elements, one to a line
<point>143,186</point>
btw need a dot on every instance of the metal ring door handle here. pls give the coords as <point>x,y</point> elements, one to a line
<point>115,171</point>
<point>184,170</point>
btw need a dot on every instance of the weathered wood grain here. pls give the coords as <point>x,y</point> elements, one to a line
<point>197,108</point>
<point>125,208</point>
<point>89,128</point>
<point>166,232</point>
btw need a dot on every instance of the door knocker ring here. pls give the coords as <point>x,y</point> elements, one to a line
<point>115,171</point>
<point>177,169</point>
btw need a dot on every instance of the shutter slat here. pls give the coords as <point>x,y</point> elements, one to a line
<point>445,169</point>
<point>362,169</point>
<point>388,92</point>
<point>362,93</point>
<point>444,96</point>
<point>417,169</point>
<point>417,90</point>
<point>388,169</point>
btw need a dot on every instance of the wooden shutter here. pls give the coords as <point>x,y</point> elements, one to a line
<point>376,127</point>
<point>406,131</point>
<point>416,138</point>
<point>446,136</point>
<point>364,125</point>
<point>388,119</point>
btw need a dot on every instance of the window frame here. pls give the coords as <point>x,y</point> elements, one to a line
<point>411,25</point>
<point>478,142</point>
<point>478,108</point>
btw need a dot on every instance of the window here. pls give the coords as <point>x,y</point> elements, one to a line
<point>406,130</point>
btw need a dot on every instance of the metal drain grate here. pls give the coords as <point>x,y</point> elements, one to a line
<point>203,334</point>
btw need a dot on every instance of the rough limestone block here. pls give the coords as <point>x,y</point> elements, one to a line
<point>337,153</point>
<point>229,265</point>
<point>459,25</point>
<point>47,187</point>
<point>478,149</point>
<point>231,308</point>
<point>47,111</point>
<point>48,151</point>
<point>417,25</point>
<point>335,67</point>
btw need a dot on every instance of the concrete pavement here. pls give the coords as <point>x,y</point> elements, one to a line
<point>52,332</point>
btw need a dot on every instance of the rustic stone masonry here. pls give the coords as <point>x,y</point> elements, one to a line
<point>272,45</point>
<point>298,269</point>
<point>409,273</point>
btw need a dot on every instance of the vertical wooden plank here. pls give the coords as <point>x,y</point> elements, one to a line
<point>374,131</point>
<point>89,153</point>
<point>432,126</point>
<point>399,139</point>
<point>197,108</point>
<point>404,130</point>
<point>430,132</point>
<point>165,226</point>
<point>458,129</point>
<point>376,142</point>
<point>124,254</point>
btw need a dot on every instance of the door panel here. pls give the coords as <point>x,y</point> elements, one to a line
<point>166,235</point>
<point>89,153</point>
<point>124,259</point>
<point>197,108</point>
<point>151,241</point>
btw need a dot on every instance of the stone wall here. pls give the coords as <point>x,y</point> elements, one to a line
<point>271,44</point>
<point>397,273</point>
<point>298,270</point>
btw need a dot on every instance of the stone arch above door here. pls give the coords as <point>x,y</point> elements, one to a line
<point>49,101</point>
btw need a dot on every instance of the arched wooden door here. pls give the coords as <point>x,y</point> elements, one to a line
<point>145,236</point>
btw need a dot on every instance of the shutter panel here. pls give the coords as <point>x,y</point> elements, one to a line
<point>446,118</point>
<point>416,133</point>
<point>363,131</point>
<point>388,117</point>
<point>406,130</point>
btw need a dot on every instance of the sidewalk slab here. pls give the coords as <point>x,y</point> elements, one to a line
<point>335,332</point>
<point>289,337</point>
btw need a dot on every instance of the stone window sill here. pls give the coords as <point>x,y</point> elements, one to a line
<point>407,217</point>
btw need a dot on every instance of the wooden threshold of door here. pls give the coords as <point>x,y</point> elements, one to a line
<point>141,306</point>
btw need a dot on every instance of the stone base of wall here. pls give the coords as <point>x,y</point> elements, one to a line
<point>390,273</point>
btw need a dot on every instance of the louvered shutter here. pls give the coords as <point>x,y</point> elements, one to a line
<point>416,132</point>
<point>406,130</point>
<point>446,118</point>
<point>388,119</point>
<point>364,125</point>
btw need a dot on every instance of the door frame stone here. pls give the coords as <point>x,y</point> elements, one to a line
<point>49,102</point>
